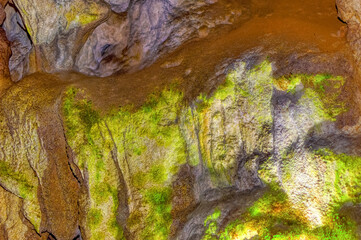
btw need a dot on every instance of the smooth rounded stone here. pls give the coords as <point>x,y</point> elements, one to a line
<point>21,45</point>
<point>118,6</point>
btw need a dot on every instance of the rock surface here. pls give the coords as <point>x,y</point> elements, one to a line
<point>350,12</point>
<point>21,46</point>
<point>151,29</point>
<point>173,162</point>
<point>5,52</point>
<point>135,35</point>
<point>267,151</point>
<point>58,29</point>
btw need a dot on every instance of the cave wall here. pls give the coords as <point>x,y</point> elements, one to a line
<point>159,171</point>
<point>104,37</point>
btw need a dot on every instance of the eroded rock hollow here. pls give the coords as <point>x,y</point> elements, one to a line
<point>180,119</point>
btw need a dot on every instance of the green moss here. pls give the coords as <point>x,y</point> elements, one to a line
<point>95,217</point>
<point>346,185</point>
<point>26,189</point>
<point>211,225</point>
<point>158,220</point>
<point>323,89</point>
<point>148,137</point>
<point>272,217</point>
<point>150,143</point>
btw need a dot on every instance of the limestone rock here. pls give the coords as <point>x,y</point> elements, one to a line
<point>13,224</point>
<point>58,28</point>
<point>118,6</point>
<point>81,35</point>
<point>5,53</point>
<point>97,54</point>
<point>151,28</point>
<point>21,45</point>
<point>2,14</point>
<point>350,12</point>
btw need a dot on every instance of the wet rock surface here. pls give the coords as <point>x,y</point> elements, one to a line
<point>185,146</point>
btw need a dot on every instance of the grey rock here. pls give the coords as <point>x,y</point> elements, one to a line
<point>118,6</point>
<point>21,45</point>
<point>152,28</point>
<point>59,28</point>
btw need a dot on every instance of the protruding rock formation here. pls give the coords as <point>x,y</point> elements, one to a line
<point>21,45</point>
<point>4,52</point>
<point>349,11</point>
<point>90,38</point>
<point>58,29</point>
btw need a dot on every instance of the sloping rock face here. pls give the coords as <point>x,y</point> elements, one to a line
<point>170,169</point>
<point>21,46</point>
<point>350,12</point>
<point>98,38</point>
<point>5,53</point>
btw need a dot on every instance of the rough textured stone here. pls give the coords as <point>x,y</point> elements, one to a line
<point>58,29</point>
<point>350,12</point>
<point>118,6</point>
<point>13,224</point>
<point>129,173</point>
<point>40,174</point>
<point>21,45</point>
<point>151,28</point>
<point>5,53</point>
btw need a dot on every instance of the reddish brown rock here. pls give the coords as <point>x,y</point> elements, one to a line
<point>3,2</point>
<point>5,53</point>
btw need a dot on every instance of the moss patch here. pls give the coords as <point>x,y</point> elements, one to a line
<point>323,89</point>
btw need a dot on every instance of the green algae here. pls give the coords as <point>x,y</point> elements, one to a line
<point>245,93</point>
<point>274,216</point>
<point>25,189</point>
<point>159,219</point>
